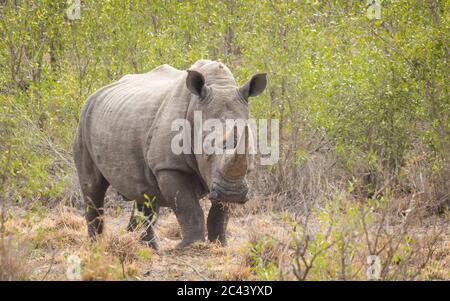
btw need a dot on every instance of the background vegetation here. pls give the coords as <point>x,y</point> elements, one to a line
<point>363,106</point>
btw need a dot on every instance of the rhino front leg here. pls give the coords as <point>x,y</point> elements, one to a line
<point>217,223</point>
<point>178,190</point>
<point>147,216</point>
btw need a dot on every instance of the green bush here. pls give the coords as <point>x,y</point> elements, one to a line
<point>375,90</point>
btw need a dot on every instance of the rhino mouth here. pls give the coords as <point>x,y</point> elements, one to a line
<point>229,190</point>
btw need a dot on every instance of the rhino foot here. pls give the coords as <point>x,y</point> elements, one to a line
<point>187,242</point>
<point>150,238</point>
<point>222,240</point>
<point>152,244</point>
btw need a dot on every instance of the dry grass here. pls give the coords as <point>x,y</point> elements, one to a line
<point>171,230</point>
<point>261,246</point>
<point>61,232</point>
<point>11,262</point>
<point>238,272</point>
<point>123,246</point>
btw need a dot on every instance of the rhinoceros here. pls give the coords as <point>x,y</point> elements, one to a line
<point>124,138</point>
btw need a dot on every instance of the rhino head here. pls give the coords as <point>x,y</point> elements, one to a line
<point>219,98</point>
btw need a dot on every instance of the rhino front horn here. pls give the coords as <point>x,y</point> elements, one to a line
<point>235,165</point>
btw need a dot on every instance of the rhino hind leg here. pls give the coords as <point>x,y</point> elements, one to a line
<point>94,200</point>
<point>150,215</point>
<point>217,223</point>
<point>93,187</point>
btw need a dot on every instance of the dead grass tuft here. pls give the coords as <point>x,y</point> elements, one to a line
<point>58,230</point>
<point>68,219</point>
<point>238,273</point>
<point>12,258</point>
<point>117,255</point>
<point>99,265</point>
<point>124,246</point>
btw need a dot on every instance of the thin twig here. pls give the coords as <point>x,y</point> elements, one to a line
<point>50,267</point>
<point>190,266</point>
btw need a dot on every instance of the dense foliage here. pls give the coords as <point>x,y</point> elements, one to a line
<point>373,92</point>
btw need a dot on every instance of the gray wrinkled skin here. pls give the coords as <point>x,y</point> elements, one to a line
<point>124,140</point>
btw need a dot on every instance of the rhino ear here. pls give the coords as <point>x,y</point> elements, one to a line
<point>195,82</point>
<point>254,86</point>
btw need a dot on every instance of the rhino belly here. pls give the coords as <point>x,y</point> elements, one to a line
<point>130,176</point>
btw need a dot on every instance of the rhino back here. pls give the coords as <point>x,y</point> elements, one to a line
<point>115,125</point>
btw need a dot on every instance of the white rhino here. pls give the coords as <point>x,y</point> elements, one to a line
<point>124,140</point>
